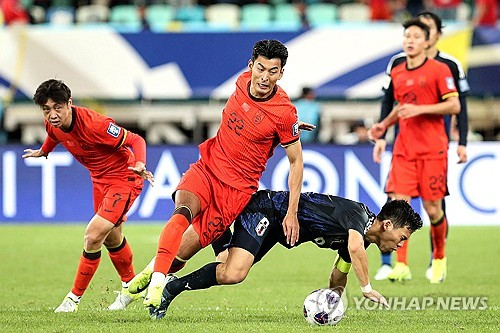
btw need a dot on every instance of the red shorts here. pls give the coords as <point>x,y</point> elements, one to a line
<point>418,178</point>
<point>113,199</point>
<point>220,203</point>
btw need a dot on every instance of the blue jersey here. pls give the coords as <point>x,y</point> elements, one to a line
<point>324,219</point>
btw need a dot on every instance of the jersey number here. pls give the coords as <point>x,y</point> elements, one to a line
<point>235,124</point>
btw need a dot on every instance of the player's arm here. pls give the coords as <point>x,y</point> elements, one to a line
<point>338,276</point>
<point>48,146</point>
<point>359,263</point>
<point>291,222</point>
<point>449,105</point>
<point>138,145</point>
<point>385,109</point>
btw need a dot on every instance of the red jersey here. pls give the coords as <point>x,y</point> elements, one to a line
<point>249,132</point>
<point>422,136</point>
<point>96,142</point>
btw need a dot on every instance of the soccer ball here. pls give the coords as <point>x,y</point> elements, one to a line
<point>323,307</point>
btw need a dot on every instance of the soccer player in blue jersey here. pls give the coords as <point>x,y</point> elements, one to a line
<point>328,221</point>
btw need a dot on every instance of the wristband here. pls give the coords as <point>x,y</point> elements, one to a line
<point>367,289</point>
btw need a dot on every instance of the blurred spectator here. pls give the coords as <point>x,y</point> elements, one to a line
<point>13,12</point>
<point>446,9</point>
<point>358,134</point>
<point>381,10</point>
<point>485,13</point>
<point>309,111</point>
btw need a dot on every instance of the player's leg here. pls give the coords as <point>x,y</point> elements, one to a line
<point>234,270</point>
<point>434,189</point>
<point>439,227</point>
<point>187,207</point>
<point>403,182</point>
<point>190,245</point>
<point>121,256</point>
<point>95,234</point>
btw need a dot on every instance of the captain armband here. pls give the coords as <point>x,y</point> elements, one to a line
<point>341,265</point>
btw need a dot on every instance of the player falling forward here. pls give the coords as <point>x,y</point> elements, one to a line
<point>329,221</point>
<point>117,174</point>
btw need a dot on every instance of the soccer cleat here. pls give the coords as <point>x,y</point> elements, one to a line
<point>153,297</point>
<point>438,270</point>
<point>123,299</point>
<point>68,305</point>
<point>400,272</point>
<point>428,273</point>
<point>383,272</point>
<point>141,281</point>
<point>166,299</point>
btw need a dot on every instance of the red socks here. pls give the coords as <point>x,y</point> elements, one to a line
<point>438,235</point>
<point>402,253</point>
<point>121,257</point>
<point>86,270</point>
<point>170,241</point>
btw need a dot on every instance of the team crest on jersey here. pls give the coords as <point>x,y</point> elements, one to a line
<point>262,226</point>
<point>450,83</point>
<point>259,116</point>
<point>113,130</point>
<point>295,129</point>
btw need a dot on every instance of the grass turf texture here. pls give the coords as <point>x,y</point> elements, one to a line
<point>38,263</point>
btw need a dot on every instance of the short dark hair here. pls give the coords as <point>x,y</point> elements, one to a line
<point>401,214</point>
<point>270,48</point>
<point>418,23</point>
<point>437,20</point>
<point>53,89</point>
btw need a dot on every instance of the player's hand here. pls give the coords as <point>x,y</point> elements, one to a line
<point>140,169</point>
<point>291,228</point>
<point>34,153</point>
<point>376,297</point>
<point>376,131</point>
<point>306,126</point>
<point>406,111</point>
<point>462,154</point>
<point>379,150</point>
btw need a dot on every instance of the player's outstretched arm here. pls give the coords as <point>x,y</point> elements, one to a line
<point>359,262</point>
<point>306,126</point>
<point>379,150</point>
<point>34,153</point>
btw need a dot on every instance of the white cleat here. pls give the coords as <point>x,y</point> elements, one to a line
<point>383,272</point>
<point>123,299</point>
<point>68,304</point>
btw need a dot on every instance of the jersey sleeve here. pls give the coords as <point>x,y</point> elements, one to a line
<point>50,141</point>
<point>137,143</point>
<point>288,127</point>
<point>445,82</point>
<point>106,132</point>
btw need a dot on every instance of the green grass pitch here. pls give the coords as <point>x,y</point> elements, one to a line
<point>38,262</point>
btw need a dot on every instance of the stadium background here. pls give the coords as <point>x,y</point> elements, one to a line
<point>171,87</point>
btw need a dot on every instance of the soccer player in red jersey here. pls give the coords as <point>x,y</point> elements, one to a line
<point>117,174</point>
<point>435,31</point>
<point>257,117</point>
<point>425,91</point>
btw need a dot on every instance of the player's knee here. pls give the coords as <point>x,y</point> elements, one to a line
<point>91,241</point>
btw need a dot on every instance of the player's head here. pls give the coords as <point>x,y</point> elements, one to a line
<point>54,89</point>
<point>435,26</point>
<point>270,49</point>
<point>54,98</point>
<point>416,37</point>
<point>398,220</point>
<point>268,59</point>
